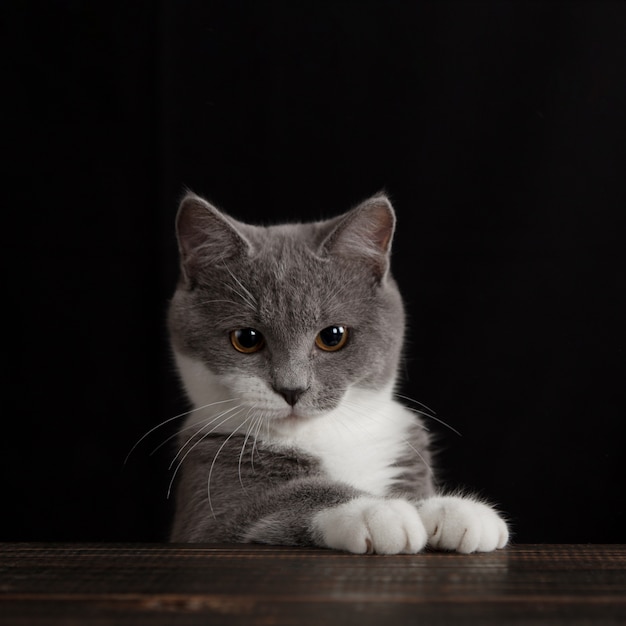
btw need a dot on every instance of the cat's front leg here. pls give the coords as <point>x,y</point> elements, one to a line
<point>462,524</point>
<point>371,525</point>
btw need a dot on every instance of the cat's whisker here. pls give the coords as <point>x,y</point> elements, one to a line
<point>424,409</point>
<point>205,424</point>
<point>171,419</point>
<point>435,419</point>
<point>427,412</point>
<point>245,300</point>
<point>215,460</point>
<point>421,456</point>
<point>242,286</point>
<point>223,301</point>
<point>174,436</point>
<point>246,296</point>
<point>243,447</point>
<point>259,424</point>
<point>189,427</point>
<point>182,460</point>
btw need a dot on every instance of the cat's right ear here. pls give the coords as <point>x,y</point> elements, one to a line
<point>206,237</point>
<point>364,235</point>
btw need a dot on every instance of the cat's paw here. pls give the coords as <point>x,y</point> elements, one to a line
<point>462,524</point>
<point>369,525</point>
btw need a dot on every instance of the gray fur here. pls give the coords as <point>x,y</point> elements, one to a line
<point>288,281</point>
<point>268,497</point>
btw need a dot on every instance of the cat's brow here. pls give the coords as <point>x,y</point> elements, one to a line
<point>244,294</point>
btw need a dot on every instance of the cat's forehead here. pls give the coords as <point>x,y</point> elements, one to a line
<point>288,282</point>
<point>284,239</point>
<point>288,272</point>
<point>285,254</point>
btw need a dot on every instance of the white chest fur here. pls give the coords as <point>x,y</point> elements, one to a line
<point>359,443</point>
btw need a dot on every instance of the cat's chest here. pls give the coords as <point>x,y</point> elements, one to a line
<point>357,447</point>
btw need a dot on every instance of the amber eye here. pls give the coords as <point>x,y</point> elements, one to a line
<point>247,340</point>
<point>332,338</point>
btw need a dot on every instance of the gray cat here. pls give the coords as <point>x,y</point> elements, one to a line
<point>287,339</point>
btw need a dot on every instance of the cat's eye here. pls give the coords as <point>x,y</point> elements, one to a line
<point>247,340</point>
<point>332,338</point>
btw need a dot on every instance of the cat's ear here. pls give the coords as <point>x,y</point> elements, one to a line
<point>206,236</point>
<point>364,234</point>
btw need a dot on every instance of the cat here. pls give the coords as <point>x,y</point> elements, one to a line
<point>287,340</point>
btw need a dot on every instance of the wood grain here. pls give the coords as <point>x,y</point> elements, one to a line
<point>197,584</point>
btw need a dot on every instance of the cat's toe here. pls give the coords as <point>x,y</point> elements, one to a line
<point>463,525</point>
<point>396,527</point>
<point>368,525</point>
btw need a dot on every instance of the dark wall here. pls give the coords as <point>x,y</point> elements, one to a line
<point>498,130</point>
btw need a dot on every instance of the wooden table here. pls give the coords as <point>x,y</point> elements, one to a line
<point>196,584</point>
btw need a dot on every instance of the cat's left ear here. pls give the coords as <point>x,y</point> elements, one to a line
<point>206,237</point>
<point>364,234</point>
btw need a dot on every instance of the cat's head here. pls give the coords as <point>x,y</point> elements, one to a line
<point>284,321</point>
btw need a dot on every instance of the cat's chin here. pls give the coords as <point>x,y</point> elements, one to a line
<point>296,415</point>
<point>293,417</point>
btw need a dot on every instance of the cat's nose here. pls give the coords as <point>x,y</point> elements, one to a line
<point>291,395</point>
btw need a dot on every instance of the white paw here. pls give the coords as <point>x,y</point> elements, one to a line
<point>463,525</point>
<point>369,525</point>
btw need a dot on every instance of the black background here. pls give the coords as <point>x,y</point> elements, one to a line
<point>496,127</point>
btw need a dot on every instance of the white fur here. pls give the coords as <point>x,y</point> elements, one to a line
<point>358,443</point>
<point>212,399</point>
<point>462,524</point>
<point>371,525</point>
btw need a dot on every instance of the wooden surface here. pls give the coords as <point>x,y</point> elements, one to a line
<point>167,584</point>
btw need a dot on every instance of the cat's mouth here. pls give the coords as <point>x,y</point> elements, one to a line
<point>293,415</point>
<point>297,413</point>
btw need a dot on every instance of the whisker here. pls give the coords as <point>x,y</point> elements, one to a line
<point>429,413</point>
<point>233,302</point>
<point>205,424</point>
<point>182,460</point>
<point>258,424</point>
<point>174,436</point>
<point>424,461</point>
<point>246,296</point>
<point>245,300</point>
<point>435,419</point>
<point>243,449</point>
<point>426,408</point>
<point>215,460</point>
<point>171,419</point>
